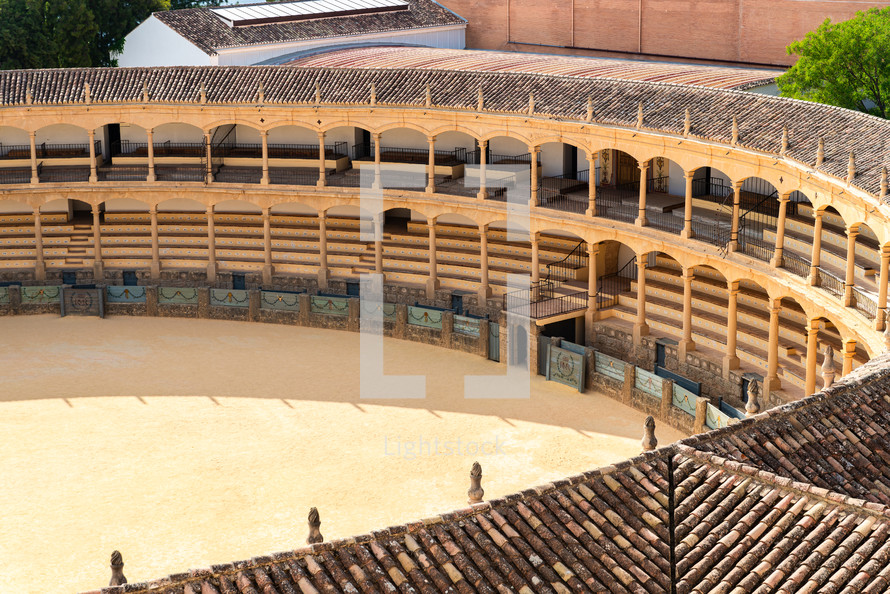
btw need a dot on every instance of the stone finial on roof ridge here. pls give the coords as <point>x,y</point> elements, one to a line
<point>784,148</point>
<point>828,369</point>
<point>531,103</point>
<point>373,93</point>
<point>475,492</point>
<point>29,98</point>
<point>117,570</point>
<point>640,115</point>
<point>735,131</point>
<point>315,535</point>
<point>87,97</point>
<point>687,123</point>
<point>202,93</point>
<point>649,440</point>
<point>480,99</point>
<point>589,108</point>
<point>428,96</point>
<point>851,168</point>
<point>317,93</point>
<point>820,152</point>
<point>145,97</point>
<point>752,407</point>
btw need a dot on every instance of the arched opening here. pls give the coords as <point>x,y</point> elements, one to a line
<point>461,150</point>
<point>758,218</point>
<point>63,153</point>
<point>618,190</point>
<point>565,178</point>
<point>712,204</point>
<point>792,347</point>
<point>507,169</point>
<point>862,270</point>
<point>236,154</point>
<point>15,156</point>
<point>179,153</point>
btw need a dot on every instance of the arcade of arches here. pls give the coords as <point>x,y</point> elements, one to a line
<point>741,260</point>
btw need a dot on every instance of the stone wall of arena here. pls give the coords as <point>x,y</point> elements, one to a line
<point>750,31</point>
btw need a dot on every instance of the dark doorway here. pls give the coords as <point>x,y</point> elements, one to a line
<point>570,161</point>
<point>130,279</point>
<point>353,289</point>
<point>69,278</point>
<point>238,282</point>
<point>457,304</point>
<point>494,341</point>
<point>114,141</point>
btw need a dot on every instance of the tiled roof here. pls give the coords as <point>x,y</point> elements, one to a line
<point>718,77</point>
<point>209,33</point>
<point>788,505</point>
<point>761,118</point>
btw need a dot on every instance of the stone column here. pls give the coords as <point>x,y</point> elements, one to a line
<point>772,382</point>
<point>778,260</point>
<point>39,266</point>
<point>264,142</point>
<point>433,283</point>
<point>484,290</point>
<point>482,194</point>
<point>850,281</point>
<point>849,351</point>
<point>431,166</point>
<point>641,328</point>
<point>268,270</point>
<point>641,217</point>
<point>686,345</point>
<point>377,181</point>
<point>817,249</point>
<point>32,139</point>
<point>736,203</point>
<point>536,261</point>
<point>812,354</point>
<point>880,319</point>
<point>91,135</point>
<point>155,247</point>
<point>149,134</point>
<point>207,141</point>
<point>98,272</point>
<point>322,250</point>
<point>211,246</point>
<point>730,359</point>
<point>378,244</point>
<point>533,201</point>
<point>590,315</point>
<point>688,233</point>
<point>591,184</point>
<point>322,160</point>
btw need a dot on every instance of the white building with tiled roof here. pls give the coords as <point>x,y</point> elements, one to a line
<point>254,33</point>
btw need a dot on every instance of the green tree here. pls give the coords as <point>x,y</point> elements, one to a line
<point>178,4</point>
<point>845,64</point>
<point>115,20</point>
<point>70,30</point>
<point>23,38</point>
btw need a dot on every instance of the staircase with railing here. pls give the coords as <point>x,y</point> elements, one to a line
<point>611,286</point>
<point>554,295</point>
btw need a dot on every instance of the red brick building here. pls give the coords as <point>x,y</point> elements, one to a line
<point>747,31</point>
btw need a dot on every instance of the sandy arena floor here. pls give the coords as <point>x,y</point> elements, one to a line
<point>184,443</point>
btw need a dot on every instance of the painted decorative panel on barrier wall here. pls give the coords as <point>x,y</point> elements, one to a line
<point>173,295</point>
<point>335,306</point>
<point>38,295</point>
<point>125,294</point>
<point>389,310</point>
<point>467,325</point>
<point>566,367</point>
<point>421,316</point>
<point>609,366</point>
<point>280,301</point>
<point>714,419</point>
<point>229,297</point>
<point>82,301</point>
<point>4,295</point>
<point>647,382</point>
<point>684,399</point>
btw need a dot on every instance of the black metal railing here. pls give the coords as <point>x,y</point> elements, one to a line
<point>238,175</point>
<point>125,148</point>
<point>796,265</point>
<point>64,174</point>
<point>295,177</point>
<point>616,204</point>
<point>716,233</point>
<point>15,175</point>
<point>364,151</point>
<point>547,303</point>
<point>177,174</point>
<point>831,283</point>
<point>474,158</point>
<point>658,185</point>
<point>123,173</point>
<point>564,269</point>
<point>15,151</point>
<point>665,221</point>
<point>611,286</point>
<point>713,190</point>
<point>336,150</point>
<point>757,249</point>
<point>865,303</point>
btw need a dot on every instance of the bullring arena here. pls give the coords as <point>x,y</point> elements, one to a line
<point>685,246</point>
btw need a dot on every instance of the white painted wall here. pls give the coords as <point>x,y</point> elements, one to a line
<point>404,138</point>
<point>677,183</point>
<point>448,141</point>
<point>503,145</point>
<point>13,207</point>
<point>343,134</point>
<point>178,133</point>
<point>181,205</point>
<point>245,135</point>
<point>134,133</point>
<point>551,158</point>
<point>125,205</point>
<point>452,37</point>
<point>13,136</point>
<point>155,44</point>
<point>298,135</point>
<point>62,134</point>
<point>61,205</point>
